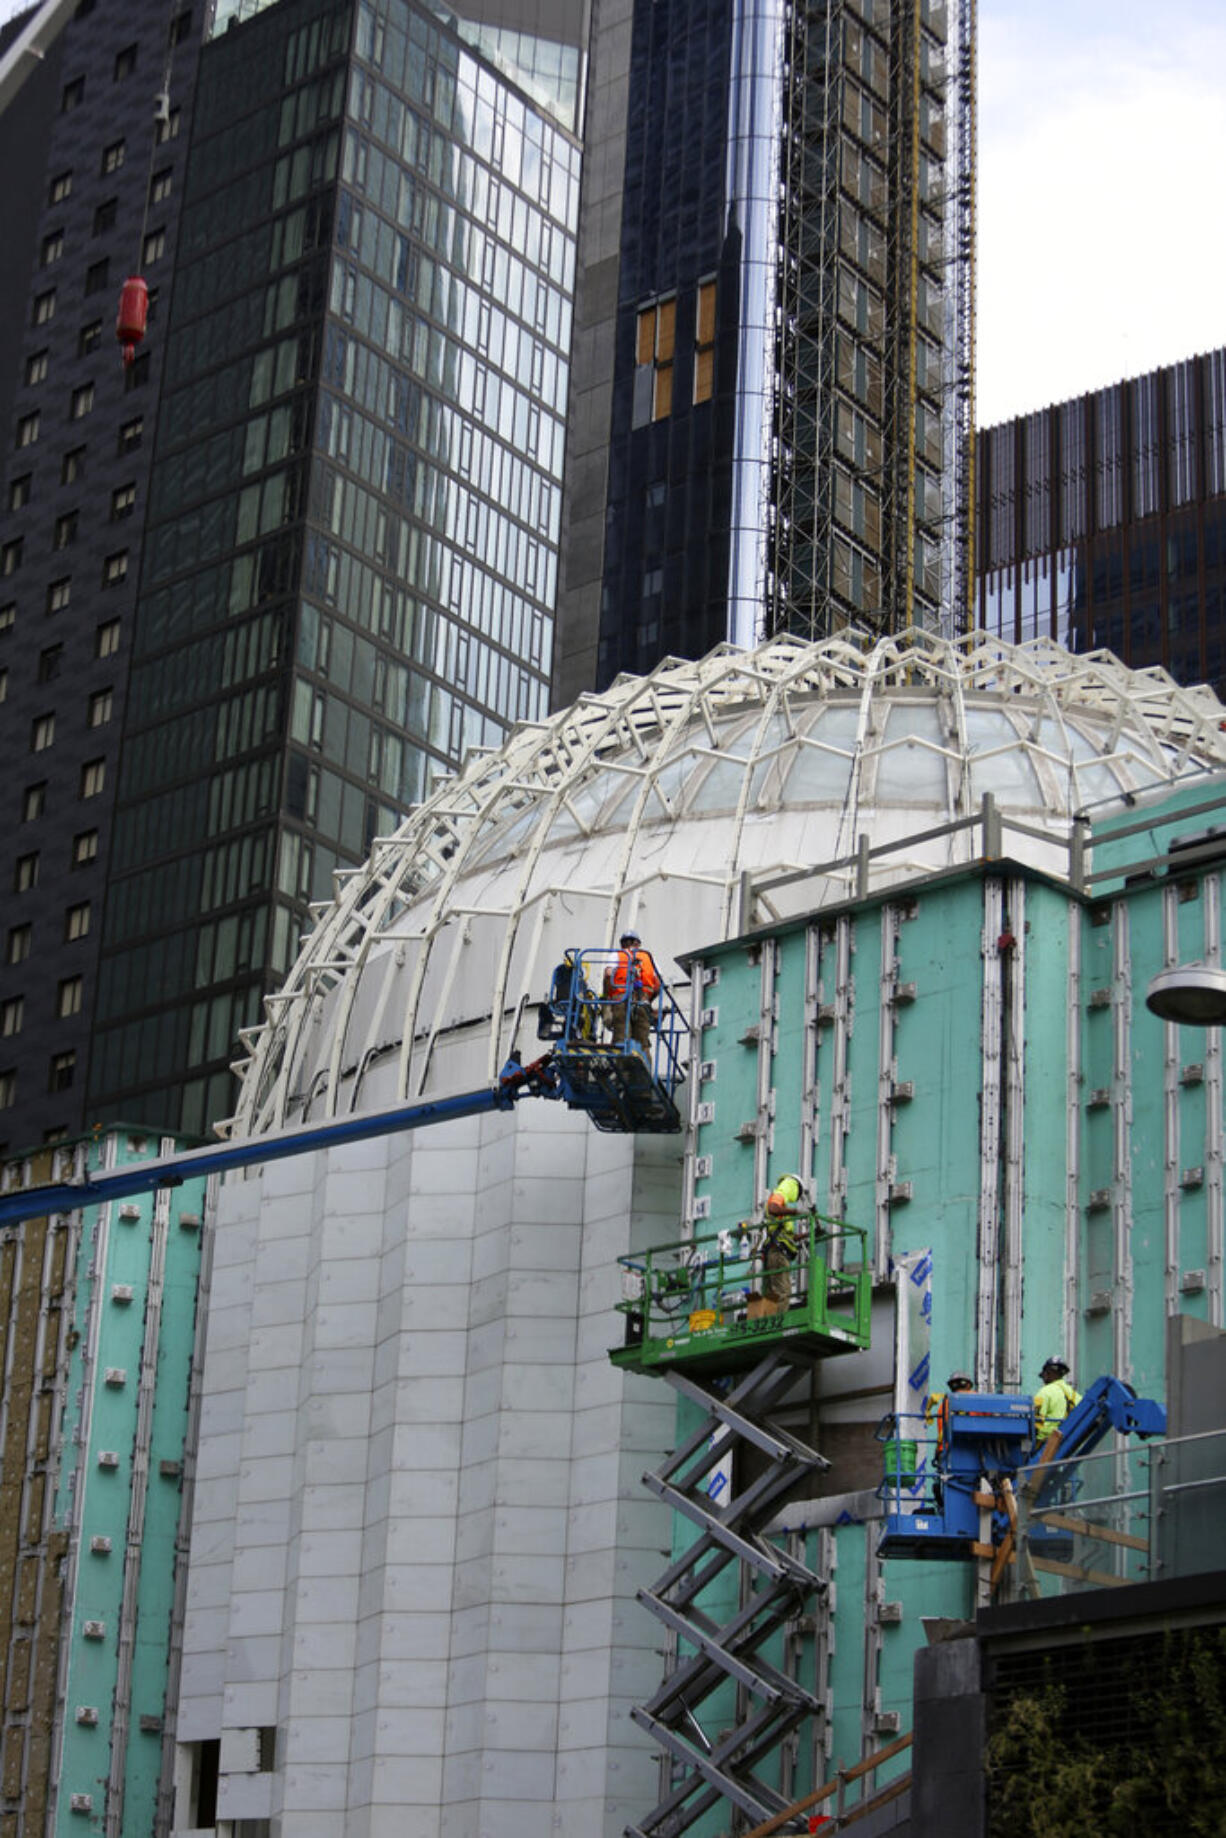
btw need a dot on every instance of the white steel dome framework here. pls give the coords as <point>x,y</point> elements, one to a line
<point>650,804</point>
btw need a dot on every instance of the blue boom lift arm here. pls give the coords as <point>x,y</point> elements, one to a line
<point>595,1065</point>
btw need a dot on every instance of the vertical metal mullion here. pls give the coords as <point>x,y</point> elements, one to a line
<point>811,1091</point>
<point>840,1096</point>
<point>1014,1181</point>
<point>1073,1129</point>
<point>1170,1114</point>
<point>991,1044</point>
<point>1121,1113</point>
<point>887,1018</point>
<point>1211,893</point>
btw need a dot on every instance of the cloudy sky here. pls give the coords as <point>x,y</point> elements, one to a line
<point>1102,150</point>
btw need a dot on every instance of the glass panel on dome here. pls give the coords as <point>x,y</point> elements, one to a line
<point>771,743</point>
<point>1095,780</point>
<point>817,776</point>
<point>909,772</point>
<point>719,789</point>
<point>581,809</point>
<point>1009,775</point>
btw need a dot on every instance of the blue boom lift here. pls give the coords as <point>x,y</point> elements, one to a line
<point>982,1453</point>
<point>595,1065</point>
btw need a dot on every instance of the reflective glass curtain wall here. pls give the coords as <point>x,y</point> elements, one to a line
<point>1102,522</point>
<point>350,562</point>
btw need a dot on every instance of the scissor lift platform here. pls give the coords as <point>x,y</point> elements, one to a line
<point>698,1305</point>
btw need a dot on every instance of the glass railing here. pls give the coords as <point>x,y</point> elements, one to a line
<point>1147,1510</point>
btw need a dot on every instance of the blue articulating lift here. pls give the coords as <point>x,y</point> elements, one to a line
<point>618,1058</point>
<point>980,1456</point>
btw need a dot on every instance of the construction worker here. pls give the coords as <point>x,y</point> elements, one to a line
<point>784,1205</point>
<point>1055,1399</point>
<point>937,1409</point>
<point>632,984</point>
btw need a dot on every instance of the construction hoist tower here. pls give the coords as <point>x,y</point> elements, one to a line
<point>694,1317</point>
<point>872,485</point>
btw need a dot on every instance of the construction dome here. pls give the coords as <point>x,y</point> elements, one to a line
<point>673,802</point>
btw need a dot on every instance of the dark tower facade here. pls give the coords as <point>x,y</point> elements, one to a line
<point>1102,522</point>
<point>771,421</point>
<point>79,439</point>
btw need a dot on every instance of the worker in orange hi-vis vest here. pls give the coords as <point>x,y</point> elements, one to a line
<point>632,982</point>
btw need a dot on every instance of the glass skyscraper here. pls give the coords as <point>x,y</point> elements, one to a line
<point>1102,522</point>
<point>349,553</point>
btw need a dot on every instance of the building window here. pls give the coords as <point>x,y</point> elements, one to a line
<point>125,63</point>
<point>49,662</point>
<point>137,372</point>
<point>154,246</point>
<point>131,434</point>
<point>68,997</point>
<point>123,501</point>
<point>27,429</point>
<point>115,569</point>
<point>63,1071</point>
<point>36,367</point>
<point>167,128</point>
<point>4,683</point>
<point>59,594</point>
<point>105,215</point>
<point>17,945</point>
<point>8,616</point>
<point>93,775</point>
<point>106,640</point>
<point>65,530</point>
<point>82,402</point>
<point>42,733</point>
<point>84,848</point>
<point>97,276</point>
<point>34,802</point>
<point>655,347</point>
<point>11,1013</point>
<point>52,248</point>
<point>76,922</point>
<point>25,872</point>
<point>60,188</point>
<point>72,466</point>
<point>180,26</point>
<point>89,338</point>
<point>72,96</point>
<point>10,555</point>
<point>113,156</point>
<point>100,711</point>
<point>704,343</point>
<point>160,185</point>
<point>19,492</point>
<point>44,307</point>
<point>8,1090</point>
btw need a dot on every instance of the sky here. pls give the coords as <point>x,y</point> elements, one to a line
<point>1102,153</point>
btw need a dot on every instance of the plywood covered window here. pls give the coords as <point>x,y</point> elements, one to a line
<point>704,343</point>
<point>656,349</point>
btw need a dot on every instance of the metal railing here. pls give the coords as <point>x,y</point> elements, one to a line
<point>706,1290</point>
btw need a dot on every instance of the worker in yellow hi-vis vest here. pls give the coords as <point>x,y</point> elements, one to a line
<point>1055,1399</point>
<point>784,1206</point>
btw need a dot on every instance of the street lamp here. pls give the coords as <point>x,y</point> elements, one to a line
<point>1194,994</point>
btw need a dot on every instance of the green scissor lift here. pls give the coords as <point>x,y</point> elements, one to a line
<point>695,1316</point>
